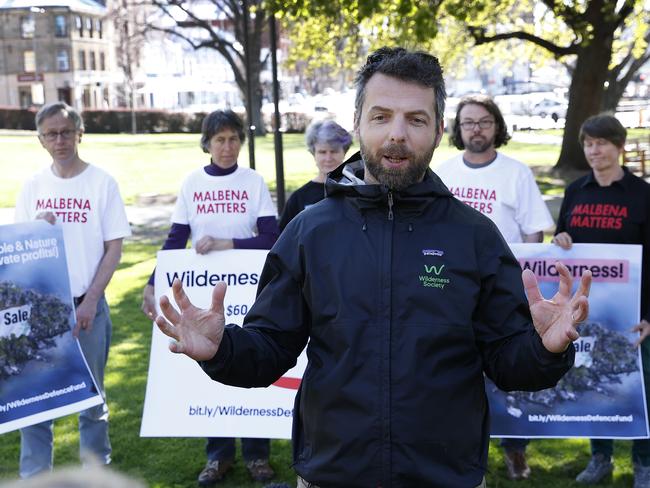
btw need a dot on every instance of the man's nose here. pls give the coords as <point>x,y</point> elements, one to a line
<point>398,130</point>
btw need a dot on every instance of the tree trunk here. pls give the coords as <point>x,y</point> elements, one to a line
<point>613,95</point>
<point>586,95</point>
<point>256,90</point>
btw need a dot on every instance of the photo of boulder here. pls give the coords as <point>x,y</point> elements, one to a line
<point>611,357</point>
<point>29,324</point>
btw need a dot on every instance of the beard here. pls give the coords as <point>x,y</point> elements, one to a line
<point>396,178</point>
<point>478,144</point>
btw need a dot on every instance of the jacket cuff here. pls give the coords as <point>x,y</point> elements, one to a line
<point>222,357</point>
<point>547,358</point>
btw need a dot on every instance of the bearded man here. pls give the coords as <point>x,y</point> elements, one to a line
<point>501,188</point>
<point>403,296</point>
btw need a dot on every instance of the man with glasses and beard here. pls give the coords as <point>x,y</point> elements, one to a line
<point>502,189</point>
<point>404,297</point>
<point>499,187</point>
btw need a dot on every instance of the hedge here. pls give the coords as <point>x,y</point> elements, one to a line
<point>112,121</point>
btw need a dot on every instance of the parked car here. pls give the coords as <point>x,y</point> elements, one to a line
<point>556,109</point>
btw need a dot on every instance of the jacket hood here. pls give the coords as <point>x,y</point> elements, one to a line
<point>347,181</point>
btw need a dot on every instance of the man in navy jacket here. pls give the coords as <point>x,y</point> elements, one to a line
<point>404,297</point>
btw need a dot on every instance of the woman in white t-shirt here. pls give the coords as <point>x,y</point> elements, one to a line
<point>223,206</point>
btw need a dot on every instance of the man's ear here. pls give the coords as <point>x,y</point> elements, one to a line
<point>356,124</point>
<point>81,133</point>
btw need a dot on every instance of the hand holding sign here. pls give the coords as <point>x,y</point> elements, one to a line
<point>197,332</point>
<point>643,328</point>
<point>555,319</point>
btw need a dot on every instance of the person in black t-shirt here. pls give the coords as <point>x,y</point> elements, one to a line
<point>328,142</point>
<point>610,205</point>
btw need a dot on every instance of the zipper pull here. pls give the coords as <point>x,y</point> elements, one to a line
<point>390,205</point>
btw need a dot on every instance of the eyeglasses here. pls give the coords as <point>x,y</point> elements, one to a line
<point>470,124</point>
<point>65,134</point>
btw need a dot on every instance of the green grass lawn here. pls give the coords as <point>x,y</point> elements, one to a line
<point>156,164</point>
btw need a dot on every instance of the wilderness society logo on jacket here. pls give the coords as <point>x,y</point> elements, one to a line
<point>433,273</point>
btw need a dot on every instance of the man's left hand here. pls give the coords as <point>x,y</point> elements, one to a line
<point>555,320</point>
<point>86,312</point>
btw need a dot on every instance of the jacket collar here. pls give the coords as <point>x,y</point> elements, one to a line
<point>348,179</point>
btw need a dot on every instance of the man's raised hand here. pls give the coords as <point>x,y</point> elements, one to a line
<point>197,333</point>
<point>555,320</point>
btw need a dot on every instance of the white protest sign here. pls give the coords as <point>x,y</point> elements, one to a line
<point>181,400</point>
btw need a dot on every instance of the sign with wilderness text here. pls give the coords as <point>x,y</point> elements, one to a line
<point>181,400</point>
<point>43,374</point>
<point>603,395</point>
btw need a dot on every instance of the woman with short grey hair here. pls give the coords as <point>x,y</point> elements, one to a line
<point>328,142</point>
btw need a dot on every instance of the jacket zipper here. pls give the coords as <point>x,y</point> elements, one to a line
<point>390,205</point>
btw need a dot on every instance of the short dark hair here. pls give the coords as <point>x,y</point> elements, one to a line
<point>327,132</point>
<point>217,121</point>
<point>501,136</point>
<point>604,126</point>
<point>54,108</point>
<point>414,66</point>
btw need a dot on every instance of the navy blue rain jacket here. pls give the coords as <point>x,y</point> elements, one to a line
<point>406,298</point>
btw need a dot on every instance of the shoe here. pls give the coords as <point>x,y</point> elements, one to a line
<point>598,468</point>
<point>641,476</point>
<point>260,470</point>
<point>516,465</point>
<point>214,472</point>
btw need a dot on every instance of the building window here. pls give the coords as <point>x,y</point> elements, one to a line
<point>25,96</point>
<point>93,63</point>
<point>62,60</point>
<point>99,28</point>
<point>60,26</point>
<point>89,26</point>
<point>79,25</point>
<point>82,60</point>
<point>27,27</point>
<point>85,99</point>
<point>102,61</point>
<point>29,62</point>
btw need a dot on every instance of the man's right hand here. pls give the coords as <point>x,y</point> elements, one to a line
<point>149,302</point>
<point>48,217</point>
<point>197,333</point>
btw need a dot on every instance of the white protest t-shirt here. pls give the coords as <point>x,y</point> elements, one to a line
<point>505,191</point>
<point>226,206</point>
<point>90,210</point>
